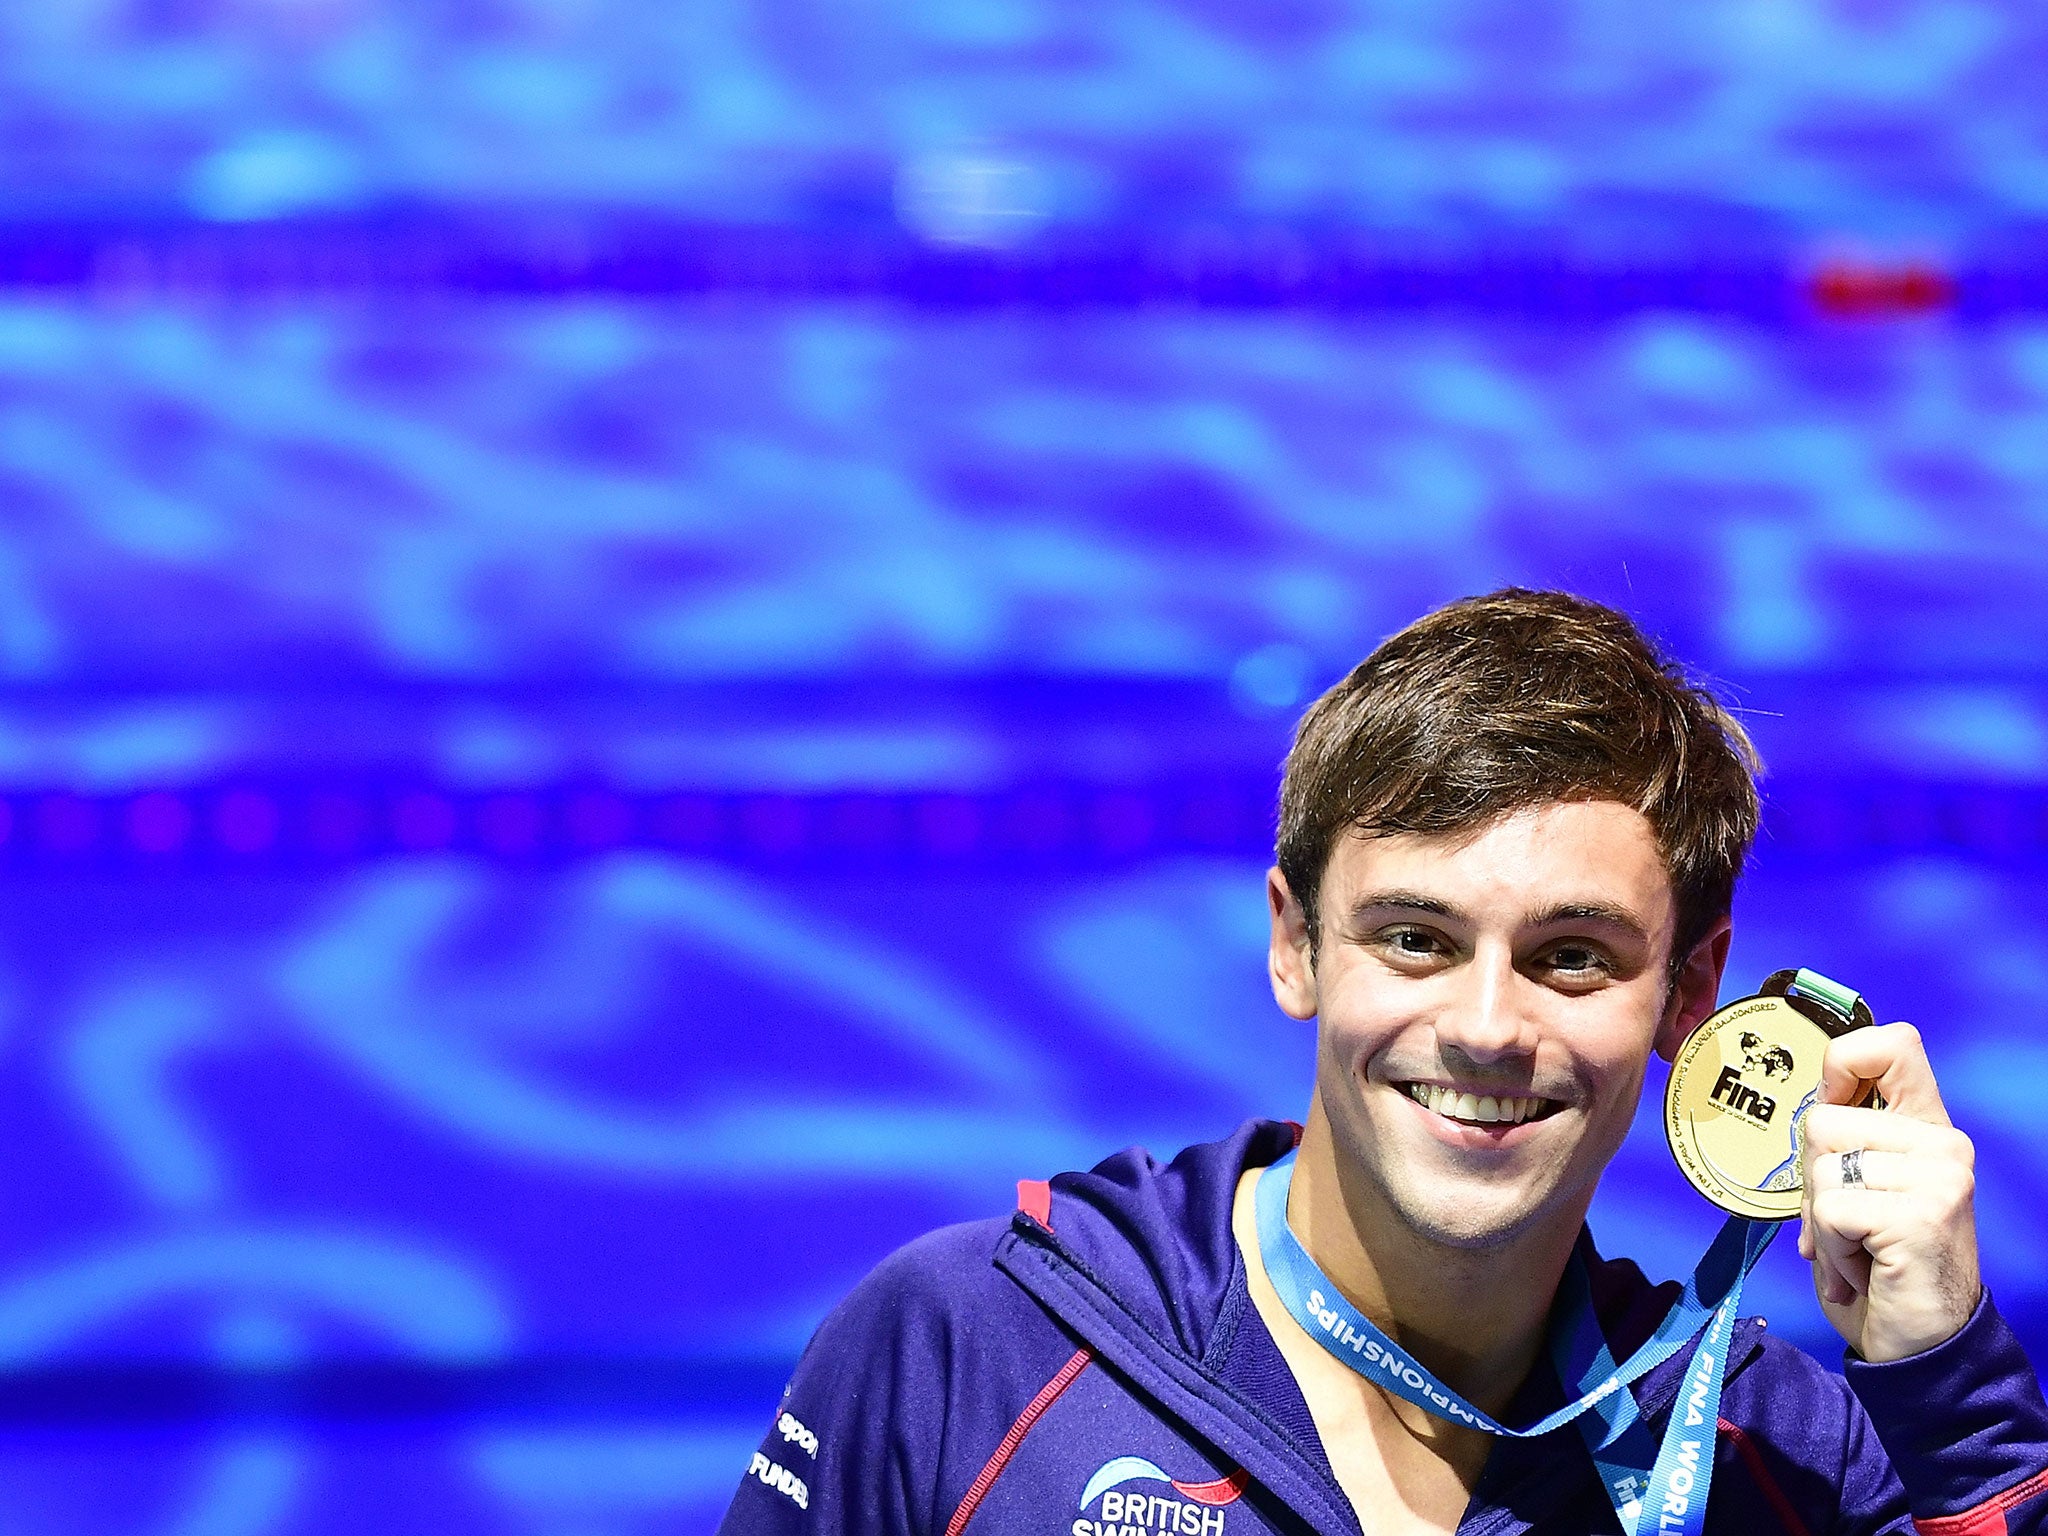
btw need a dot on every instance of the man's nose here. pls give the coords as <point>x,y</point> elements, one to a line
<point>1487,1018</point>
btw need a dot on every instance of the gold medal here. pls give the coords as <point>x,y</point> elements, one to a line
<point>1735,1106</point>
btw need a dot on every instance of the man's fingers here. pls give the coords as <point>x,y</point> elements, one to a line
<point>1899,1194</point>
<point>1877,1170</point>
<point>1844,1220</point>
<point>1836,1288</point>
<point>1893,1249</point>
<point>1841,1263</point>
<point>1889,1058</point>
<point>1832,1234</point>
<point>1837,1128</point>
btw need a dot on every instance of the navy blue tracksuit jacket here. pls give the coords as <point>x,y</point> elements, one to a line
<point>1093,1366</point>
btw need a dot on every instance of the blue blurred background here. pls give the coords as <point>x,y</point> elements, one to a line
<point>643,648</point>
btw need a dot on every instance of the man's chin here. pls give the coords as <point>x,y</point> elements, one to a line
<point>1494,1221</point>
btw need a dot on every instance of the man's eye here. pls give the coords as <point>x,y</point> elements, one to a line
<point>1577,960</point>
<point>1413,941</point>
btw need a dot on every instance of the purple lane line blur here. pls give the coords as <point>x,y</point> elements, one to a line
<point>1258,268</point>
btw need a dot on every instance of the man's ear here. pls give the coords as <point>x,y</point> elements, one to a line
<point>1696,991</point>
<point>1288,964</point>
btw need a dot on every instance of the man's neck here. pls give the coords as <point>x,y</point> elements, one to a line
<point>1475,1317</point>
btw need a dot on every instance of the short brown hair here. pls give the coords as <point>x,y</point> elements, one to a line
<point>1491,704</point>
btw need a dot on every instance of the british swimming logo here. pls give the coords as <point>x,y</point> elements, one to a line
<point>1191,1509</point>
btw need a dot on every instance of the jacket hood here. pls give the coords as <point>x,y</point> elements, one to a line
<point>1157,1236</point>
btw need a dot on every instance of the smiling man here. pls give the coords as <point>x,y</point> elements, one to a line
<point>1508,849</point>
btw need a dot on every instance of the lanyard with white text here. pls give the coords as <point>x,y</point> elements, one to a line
<point>1671,1479</point>
<point>1676,1495</point>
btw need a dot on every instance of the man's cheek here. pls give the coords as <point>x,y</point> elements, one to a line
<point>1337,1042</point>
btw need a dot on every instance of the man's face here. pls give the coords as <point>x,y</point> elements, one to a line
<point>1487,1004</point>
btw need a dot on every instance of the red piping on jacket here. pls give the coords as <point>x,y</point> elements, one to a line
<point>985,1479</point>
<point>1988,1518</point>
<point>1034,1199</point>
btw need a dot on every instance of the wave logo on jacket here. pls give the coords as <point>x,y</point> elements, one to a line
<point>1198,1511</point>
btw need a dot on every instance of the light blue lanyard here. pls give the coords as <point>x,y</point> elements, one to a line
<point>1668,1498</point>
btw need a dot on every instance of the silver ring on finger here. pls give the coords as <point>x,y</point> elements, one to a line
<point>1852,1168</point>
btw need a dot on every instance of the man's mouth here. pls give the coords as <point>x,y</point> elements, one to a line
<point>1481,1109</point>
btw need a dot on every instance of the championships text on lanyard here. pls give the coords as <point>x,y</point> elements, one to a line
<point>1722,1109</point>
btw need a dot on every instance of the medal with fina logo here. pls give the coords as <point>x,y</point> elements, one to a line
<point>1735,1106</point>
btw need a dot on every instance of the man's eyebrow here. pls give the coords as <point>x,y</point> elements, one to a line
<point>1403,901</point>
<point>1598,912</point>
<point>1590,912</point>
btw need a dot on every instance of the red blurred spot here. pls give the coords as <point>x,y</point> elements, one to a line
<point>1864,290</point>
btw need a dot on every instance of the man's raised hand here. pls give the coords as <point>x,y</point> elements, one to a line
<point>1894,1255</point>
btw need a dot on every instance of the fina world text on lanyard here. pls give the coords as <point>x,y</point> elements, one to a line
<point>1666,1496</point>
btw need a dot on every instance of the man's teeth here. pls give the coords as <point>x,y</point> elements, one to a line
<point>1480,1109</point>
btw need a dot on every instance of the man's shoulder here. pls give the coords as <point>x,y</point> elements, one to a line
<point>1156,1236</point>
<point>945,1278</point>
<point>1788,1386</point>
<point>918,1370</point>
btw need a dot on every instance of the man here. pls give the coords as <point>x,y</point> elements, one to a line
<point>1507,852</point>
